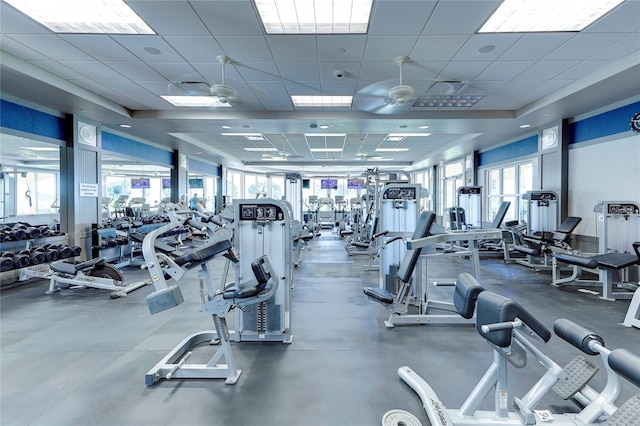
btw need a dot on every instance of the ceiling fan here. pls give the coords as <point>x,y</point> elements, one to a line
<point>386,97</point>
<point>226,94</point>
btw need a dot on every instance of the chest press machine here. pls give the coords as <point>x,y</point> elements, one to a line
<point>460,312</point>
<point>215,302</point>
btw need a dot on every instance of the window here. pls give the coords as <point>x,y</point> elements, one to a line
<point>451,181</point>
<point>36,193</point>
<point>508,183</point>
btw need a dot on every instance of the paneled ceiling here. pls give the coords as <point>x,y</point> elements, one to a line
<point>521,79</point>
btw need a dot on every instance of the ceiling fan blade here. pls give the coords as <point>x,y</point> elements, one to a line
<point>375,98</point>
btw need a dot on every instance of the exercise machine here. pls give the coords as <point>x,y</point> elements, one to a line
<point>460,312</point>
<point>325,212</point>
<point>508,328</point>
<point>542,217</point>
<point>263,227</point>
<point>618,226</point>
<point>94,273</point>
<point>399,214</point>
<point>468,212</point>
<point>163,263</point>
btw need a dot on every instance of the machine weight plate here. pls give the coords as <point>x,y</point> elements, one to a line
<point>106,270</point>
<point>400,417</point>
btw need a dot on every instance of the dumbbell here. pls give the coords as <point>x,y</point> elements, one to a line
<point>75,251</point>
<point>50,253</point>
<point>18,232</point>
<point>37,256</point>
<point>6,261</point>
<point>21,259</point>
<point>64,251</point>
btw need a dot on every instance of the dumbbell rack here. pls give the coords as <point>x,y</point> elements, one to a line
<point>12,276</point>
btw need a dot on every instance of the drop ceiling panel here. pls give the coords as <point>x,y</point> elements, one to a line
<point>135,70</point>
<point>258,71</point>
<point>310,88</point>
<point>169,17</point>
<point>196,49</point>
<point>52,46</point>
<point>61,69</point>
<point>292,70</point>
<point>20,50</point>
<point>437,48</point>
<point>460,17</point>
<point>504,70</point>
<point>535,46</point>
<point>583,68</point>
<point>174,71</point>
<point>246,48</point>
<point>94,86</point>
<point>338,88</point>
<point>265,90</point>
<point>399,17</point>
<point>327,71</point>
<point>341,48</point>
<point>144,47</point>
<point>545,70</point>
<point>93,70</point>
<point>100,46</point>
<point>619,50</point>
<point>14,22</point>
<point>470,50</point>
<point>388,47</point>
<point>583,46</point>
<point>623,19</point>
<point>297,49</point>
<point>228,17</point>
<point>464,71</point>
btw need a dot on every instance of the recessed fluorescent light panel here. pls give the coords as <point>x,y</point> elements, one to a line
<point>322,135</point>
<point>261,149</point>
<point>392,149</point>
<point>255,137</point>
<point>321,101</point>
<point>520,16</point>
<point>195,101</point>
<point>325,149</point>
<point>43,148</point>
<point>314,17</point>
<point>84,16</point>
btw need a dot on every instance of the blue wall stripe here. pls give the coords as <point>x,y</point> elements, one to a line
<point>131,148</point>
<point>204,168</point>
<point>28,120</point>
<point>605,124</point>
<point>506,152</point>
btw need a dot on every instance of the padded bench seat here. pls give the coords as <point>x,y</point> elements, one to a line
<point>202,254</point>
<point>606,261</point>
<point>72,268</point>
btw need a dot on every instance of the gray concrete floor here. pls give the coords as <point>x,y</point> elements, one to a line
<point>79,358</point>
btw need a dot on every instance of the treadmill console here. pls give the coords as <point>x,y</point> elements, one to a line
<point>399,193</point>
<point>261,212</point>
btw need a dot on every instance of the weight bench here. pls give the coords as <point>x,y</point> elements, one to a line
<point>94,273</point>
<point>607,263</point>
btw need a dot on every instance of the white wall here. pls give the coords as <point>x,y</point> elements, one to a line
<point>602,171</point>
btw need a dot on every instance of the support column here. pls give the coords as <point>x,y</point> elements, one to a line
<point>81,183</point>
<point>180,178</point>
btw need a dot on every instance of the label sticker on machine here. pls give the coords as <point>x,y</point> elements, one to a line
<point>399,193</point>
<point>544,415</point>
<point>261,212</point>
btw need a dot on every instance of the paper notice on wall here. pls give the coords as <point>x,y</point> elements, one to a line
<point>88,189</point>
